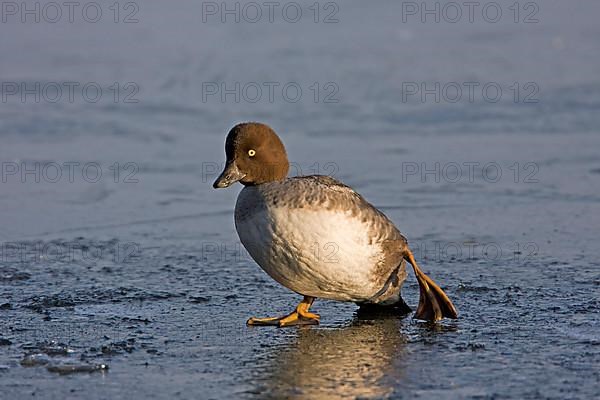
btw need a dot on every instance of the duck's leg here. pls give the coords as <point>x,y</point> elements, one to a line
<point>434,304</point>
<point>300,316</point>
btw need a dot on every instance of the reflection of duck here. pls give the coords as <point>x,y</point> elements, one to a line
<point>315,235</point>
<point>361,360</point>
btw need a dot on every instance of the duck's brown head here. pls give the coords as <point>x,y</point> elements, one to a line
<point>255,155</point>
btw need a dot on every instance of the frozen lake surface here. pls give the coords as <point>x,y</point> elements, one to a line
<point>117,252</point>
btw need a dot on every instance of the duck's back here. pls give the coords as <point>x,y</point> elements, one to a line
<point>320,238</point>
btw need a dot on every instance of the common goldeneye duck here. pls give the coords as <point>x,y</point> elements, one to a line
<point>317,236</point>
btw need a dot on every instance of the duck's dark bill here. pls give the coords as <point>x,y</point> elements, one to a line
<point>229,176</point>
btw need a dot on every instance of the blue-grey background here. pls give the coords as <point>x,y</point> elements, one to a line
<point>141,269</point>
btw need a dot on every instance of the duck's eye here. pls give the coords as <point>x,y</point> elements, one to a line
<point>251,153</point>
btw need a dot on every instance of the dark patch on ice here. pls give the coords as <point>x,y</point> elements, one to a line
<point>199,299</point>
<point>69,368</point>
<point>42,303</point>
<point>8,274</point>
<point>58,358</point>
